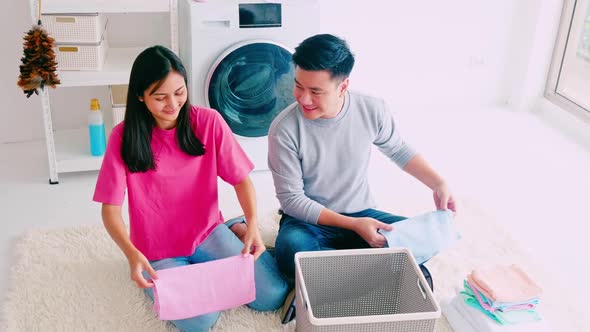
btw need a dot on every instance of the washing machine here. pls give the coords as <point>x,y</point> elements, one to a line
<point>238,58</point>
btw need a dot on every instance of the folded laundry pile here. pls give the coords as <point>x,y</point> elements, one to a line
<point>498,298</point>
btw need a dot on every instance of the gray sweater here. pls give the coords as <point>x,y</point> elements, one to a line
<point>323,163</point>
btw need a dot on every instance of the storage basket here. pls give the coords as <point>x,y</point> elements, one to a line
<point>81,56</point>
<point>118,102</point>
<point>368,290</point>
<point>75,28</point>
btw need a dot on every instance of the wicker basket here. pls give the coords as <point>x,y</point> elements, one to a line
<point>118,102</point>
<point>364,290</point>
<point>81,56</point>
<point>76,28</point>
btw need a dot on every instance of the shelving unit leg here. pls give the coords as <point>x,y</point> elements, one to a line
<point>174,26</point>
<point>49,139</point>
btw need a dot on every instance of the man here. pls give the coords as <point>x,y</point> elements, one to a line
<point>319,151</point>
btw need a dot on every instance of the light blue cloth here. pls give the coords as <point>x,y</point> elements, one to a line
<point>425,235</point>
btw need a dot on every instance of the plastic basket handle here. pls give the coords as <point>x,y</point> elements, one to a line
<point>303,299</point>
<point>71,49</point>
<point>421,288</point>
<point>65,19</point>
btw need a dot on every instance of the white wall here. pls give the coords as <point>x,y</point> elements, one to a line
<point>21,118</point>
<point>532,48</point>
<point>423,54</point>
<point>420,55</point>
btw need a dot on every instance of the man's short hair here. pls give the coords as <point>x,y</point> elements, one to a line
<point>325,52</point>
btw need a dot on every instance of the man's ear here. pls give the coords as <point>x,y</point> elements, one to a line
<point>343,86</point>
<point>140,98</point>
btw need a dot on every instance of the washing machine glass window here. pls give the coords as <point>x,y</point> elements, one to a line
<point>250,84</point>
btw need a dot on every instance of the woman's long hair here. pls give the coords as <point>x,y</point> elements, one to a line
<point>152,66</point>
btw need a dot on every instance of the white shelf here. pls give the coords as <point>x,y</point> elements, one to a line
<point>105,6</point>
<point>72,148</point>
<point>116,70</point>
<point>69,150</point>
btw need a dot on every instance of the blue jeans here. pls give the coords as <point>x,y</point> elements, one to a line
<point>296,235</point>
<point>271,287</point>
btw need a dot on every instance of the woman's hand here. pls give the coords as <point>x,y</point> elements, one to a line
<point>253,242</point>
<point>137,264</point>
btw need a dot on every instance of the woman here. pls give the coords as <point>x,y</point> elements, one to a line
<point>167,155</point>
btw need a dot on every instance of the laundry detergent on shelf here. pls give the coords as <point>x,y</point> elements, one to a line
<point>98,142</point>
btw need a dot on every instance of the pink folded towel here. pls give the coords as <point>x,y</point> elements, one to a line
<point>198,289</point>
<point>505,284</point>
<point>479,287</point>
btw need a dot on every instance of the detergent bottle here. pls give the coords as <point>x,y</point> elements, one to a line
<point>98,142</point>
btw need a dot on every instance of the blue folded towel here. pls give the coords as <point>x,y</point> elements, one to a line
<point>425,235</point>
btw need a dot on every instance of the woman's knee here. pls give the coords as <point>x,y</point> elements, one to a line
<point>270,296</point>
<point>197,324</point>
<point>271,286</point>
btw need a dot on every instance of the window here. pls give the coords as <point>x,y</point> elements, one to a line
<point>568,84</point>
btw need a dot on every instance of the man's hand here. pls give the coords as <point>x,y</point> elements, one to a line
<point>367,229</point>
<point>137,264</point>
<point>443,199</point>
<point>253,242</point>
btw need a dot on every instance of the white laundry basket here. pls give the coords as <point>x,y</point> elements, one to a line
<point>81,56</point>
<point>75,28</point>
<point>362,290</point>
<point>80,40</point>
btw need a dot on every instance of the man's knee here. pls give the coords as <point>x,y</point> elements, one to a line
<point>294,241</point>
<point>298,237</point>
<point>384,217</point>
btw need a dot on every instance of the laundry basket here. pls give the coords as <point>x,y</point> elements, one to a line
<point>89,57</point>
<point>75,28</point>
<point>118,102</point>
<point>368,290</point>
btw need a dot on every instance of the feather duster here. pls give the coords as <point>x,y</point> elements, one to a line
<point>38,62</point>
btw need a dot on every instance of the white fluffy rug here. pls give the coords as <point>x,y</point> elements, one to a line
<point>76,279</point>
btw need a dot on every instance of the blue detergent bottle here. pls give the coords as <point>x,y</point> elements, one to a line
<point>98,142</point>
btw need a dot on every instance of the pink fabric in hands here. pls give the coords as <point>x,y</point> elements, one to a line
<point>506,284</point>
<point>198,289</point>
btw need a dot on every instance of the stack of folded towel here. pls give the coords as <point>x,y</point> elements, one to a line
<point>505,294</point>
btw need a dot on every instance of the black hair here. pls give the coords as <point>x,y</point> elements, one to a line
<point>325,52</point>
<point>152,66</point>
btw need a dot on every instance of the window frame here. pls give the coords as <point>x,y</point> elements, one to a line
<point>565,26</point>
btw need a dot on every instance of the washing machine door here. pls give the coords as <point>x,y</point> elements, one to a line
<point>249,84</point>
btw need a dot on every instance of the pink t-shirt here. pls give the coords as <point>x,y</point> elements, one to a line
<point>173,208</point>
